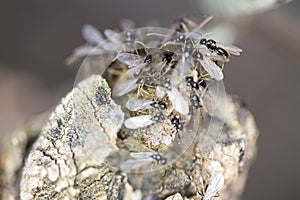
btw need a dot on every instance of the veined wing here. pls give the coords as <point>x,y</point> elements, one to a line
<point>113,36</point>
<point>88,50</point>
<point>139,121</point>
<point>124,87</point>
<point>216,184</point>
<point>231,49</point>
<point>212,68</point>
<point>142,155</point>
<point>179,103</point>
<point>133,164</point>
<point>130,59</point>
<point>139,104</point>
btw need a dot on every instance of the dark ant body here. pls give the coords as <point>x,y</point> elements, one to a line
<point>168,56</point>
<point>165,82</point>
<point>176,122</point>
<point>160,105</point>
<point>179,38</point>
<point>203,41</point>
<point>198,55</point>
<point>189,46</point>
<point>145,80</point>
<point>195,101</point>
<point>212,45</point>
<point>158,117</point>
<point>191,81</point>
<point>203,83</point>
<point>160,159</point>
<point>148,59</point>
<point>222,52</point>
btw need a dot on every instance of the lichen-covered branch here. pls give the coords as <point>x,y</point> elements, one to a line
<point>61,166</point>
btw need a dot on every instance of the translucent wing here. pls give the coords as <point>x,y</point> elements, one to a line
<point>136,69</point>
<point>71,59</point>
<point>132,164</point>
<point>176,78</point>
<point>113,36</point>
<point>142,155</point>
<point>124,87</point>
<point>130,59</point>
<point>216,184</point>
<point>110,46</point>
<point>138,104</point>
<point>208,103</point>
<point>139,121</point>
<point>213,102</point>
<point>231,49</point>
<point>178,102</point>
<point>212,69</point>
<point>214,56</point>
<point>88,50</point>
<point>141,159</point>
<point>109,33</point>
<point>183,67</point>
<point>160,92</point>
<point>92,35</point>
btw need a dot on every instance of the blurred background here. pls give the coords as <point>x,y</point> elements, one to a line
<point>37,36</point>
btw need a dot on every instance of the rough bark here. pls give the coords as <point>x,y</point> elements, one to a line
<point>60,160</point>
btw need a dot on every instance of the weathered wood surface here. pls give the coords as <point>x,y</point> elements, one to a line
<point>59,160</point>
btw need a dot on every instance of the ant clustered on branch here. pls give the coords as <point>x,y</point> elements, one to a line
<point>159,76</point>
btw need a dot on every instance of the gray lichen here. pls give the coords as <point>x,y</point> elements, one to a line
<point>58,165</point>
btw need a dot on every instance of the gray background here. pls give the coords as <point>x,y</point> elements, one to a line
<point>36,37</point>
